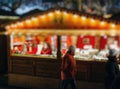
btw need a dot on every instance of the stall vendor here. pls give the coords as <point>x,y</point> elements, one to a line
<point>46,49</point>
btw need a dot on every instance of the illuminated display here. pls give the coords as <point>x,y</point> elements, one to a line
<point>37,35</point>
<point>33,44</point>
<point>88,47</point>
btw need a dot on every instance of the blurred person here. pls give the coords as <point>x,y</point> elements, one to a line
<point>68,69</point>
<point>46,49</point>
<point>34,48</point>
<point>111,68</point>
<point>116,83</point>
<point>17,49</point>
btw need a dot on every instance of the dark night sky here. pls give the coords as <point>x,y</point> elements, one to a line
<point>99,7</point>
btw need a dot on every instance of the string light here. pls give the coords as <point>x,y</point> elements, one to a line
<point>50,14</point>
<point>83,18</point>
<point>102,22</point>
<point>92,20</point>
<point>57,11</point>
<point>75,16</point>
<point>65,13</point>
<point>19,24</point>
<point>28,21</point>
<point>113,25</point>
<point>34,18</point>
<point>42,16</point>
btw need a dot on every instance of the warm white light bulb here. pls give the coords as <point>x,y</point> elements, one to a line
<point>92,20</point>
<point>75,16</point>
<point>83,18</point>
<point>102,22</point>
<point>50,14</point>
<point>113,25</point>
<point>57,11</point>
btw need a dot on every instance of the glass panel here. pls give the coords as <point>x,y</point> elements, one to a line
<point>89,47</point>
<point>29,44</point>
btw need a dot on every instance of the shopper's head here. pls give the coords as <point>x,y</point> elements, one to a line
<point>46,45</point>
<point>71,50</point>
<point>112,52</point>
<point>113,55</point>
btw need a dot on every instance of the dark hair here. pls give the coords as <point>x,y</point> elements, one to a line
<point>70,49</point>
<point>112,52</point>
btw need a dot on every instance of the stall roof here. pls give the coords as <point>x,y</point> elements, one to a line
<point>63,19</point>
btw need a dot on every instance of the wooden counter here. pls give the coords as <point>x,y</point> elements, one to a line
<point>35,66</point>
<point>92,71</point>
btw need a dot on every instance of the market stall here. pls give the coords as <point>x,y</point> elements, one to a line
<point>38,42</point>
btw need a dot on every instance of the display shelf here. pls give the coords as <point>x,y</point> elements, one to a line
<point>34,56</point>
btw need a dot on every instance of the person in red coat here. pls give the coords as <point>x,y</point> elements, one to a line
<point>46,49</point>
<point>68,69</point>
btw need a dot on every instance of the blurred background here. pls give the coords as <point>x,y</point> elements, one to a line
<point>97,7</point>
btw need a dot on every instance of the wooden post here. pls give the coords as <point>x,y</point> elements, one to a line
<point>97,42</point>
<point>59,47</point>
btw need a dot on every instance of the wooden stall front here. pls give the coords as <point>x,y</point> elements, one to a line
<point>60,28</point>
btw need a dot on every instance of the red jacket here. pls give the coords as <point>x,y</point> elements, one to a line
<point>46,51</point>
<point>68,67</point>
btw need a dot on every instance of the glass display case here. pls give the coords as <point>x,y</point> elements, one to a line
<point>86,46</point>
<point>30,44</point>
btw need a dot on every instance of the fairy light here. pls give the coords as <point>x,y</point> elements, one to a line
<point>28,21</point>
<point>92,20</point>
<point>50,14</point>
<point>65,13</point>
<point>102,22</point>
<point>83,18</point>
<point>19,24</point>
<point>113,25</point>
<point>34,19</point>
<point>42,16</point>
<point>75,16</point>
<point>57,11</point>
